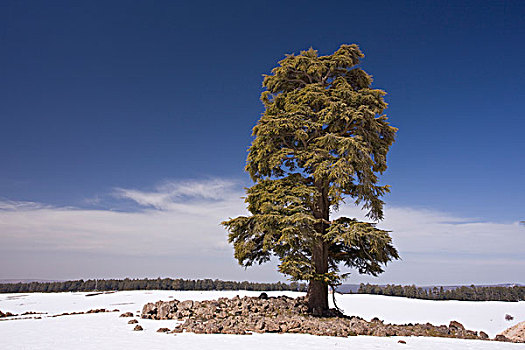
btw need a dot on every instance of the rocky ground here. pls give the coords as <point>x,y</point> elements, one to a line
<point>6,314</point>
<point>516,333</point>
<point>37,315</point>
<point>287,315</point>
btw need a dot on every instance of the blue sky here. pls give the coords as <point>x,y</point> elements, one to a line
<point>114,106</point>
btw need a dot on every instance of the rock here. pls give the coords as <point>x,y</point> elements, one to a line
<point>456,325</point>
<point>6,314</point>
<point>96,311</point>
<point>260,326</point>
<point>401,342</point>
<point>516,333</point>
<point>138,328</point>
<point>501,337</point>
<point>186,305</point>
<point>31,313</point>
<point>284,315</point>
<point>483,335</point>
<point>163,330</point>
<point>272,326</point>
<point>263,296</point>
<point>127,314</point>
<point>211,328</point>
<point>508,317</point>
<point>379,332</point>
<point>177,329</point>
<point>133,321</point>
<point>148,311</point>
<point>163,310</point>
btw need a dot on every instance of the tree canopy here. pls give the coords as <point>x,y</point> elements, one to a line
<point>323,137</point>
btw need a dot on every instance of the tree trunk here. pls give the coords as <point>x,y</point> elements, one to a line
<point>318,290</point>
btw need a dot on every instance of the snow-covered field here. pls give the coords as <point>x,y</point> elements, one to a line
<point>109,331</point>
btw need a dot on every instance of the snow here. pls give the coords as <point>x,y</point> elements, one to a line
<point>109,331</point>
<point>487,316</point>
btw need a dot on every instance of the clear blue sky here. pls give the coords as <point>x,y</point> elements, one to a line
<point>98,95</point>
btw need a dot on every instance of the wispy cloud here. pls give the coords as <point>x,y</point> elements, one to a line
<point>7,205</point>
<point>177,218</point>
<point>169,194</point>
<point>181,220</point>
<point>431,231</point>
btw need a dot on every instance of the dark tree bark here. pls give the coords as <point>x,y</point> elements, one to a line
<point>318,289</point>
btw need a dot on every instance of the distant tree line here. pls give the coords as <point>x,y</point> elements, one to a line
<point>146,284</point>
<point>472,293</point>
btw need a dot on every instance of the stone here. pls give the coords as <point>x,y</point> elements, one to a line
<point>163,310</point>
<point>379,332</point>
<point>127,314</point>
<point>401,342</point>
<point>284,315</point>
<point>516,333</point>
<point>148,311</point>
<point>483,335</point>
<point>138,328</point>
<point>163,330</point>
<point>263,296</point>
<point>211,328</point>
<point>133,321</point>
<point>501,337</point>
<point>186,305</point>
<point>456,325</point>
<point>6,314</point>
<point>96,311</point>
<point>177,329</point>
<point>260,325</point>
<point>272,326</point>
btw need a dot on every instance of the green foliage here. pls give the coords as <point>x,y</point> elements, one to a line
<point>322,138</point>
<point>367,245</point>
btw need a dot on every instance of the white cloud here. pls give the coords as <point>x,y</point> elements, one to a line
<point>185,220</point>
<point>167,195</point>
<point>181,221</point>
<point>13,205</point>
<point>427,231</point>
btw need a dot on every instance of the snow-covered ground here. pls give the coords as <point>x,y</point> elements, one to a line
<point>109,331</point>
